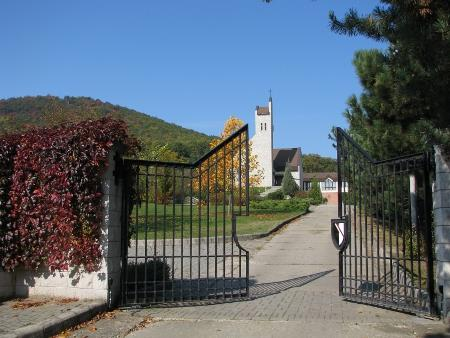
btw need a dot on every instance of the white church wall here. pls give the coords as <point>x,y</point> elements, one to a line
<point>262,145</point>
<point>297,177</point>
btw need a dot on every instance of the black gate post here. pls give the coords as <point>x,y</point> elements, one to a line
<point>339,149</point>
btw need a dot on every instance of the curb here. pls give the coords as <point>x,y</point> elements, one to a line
<point>65,320</point>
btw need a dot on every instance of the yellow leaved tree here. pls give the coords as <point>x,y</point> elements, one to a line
<point>222,177</point>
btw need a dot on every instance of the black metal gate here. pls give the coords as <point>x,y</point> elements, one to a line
<point>179,227</point>
<point>387,258</point>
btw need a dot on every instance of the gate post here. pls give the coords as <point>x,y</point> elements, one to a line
<point>441,206</point>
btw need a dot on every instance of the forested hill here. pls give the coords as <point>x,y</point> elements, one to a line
<point>16,114</point>
<point>313,163</point>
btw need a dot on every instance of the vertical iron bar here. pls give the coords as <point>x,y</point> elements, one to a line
<point>146,231</point>
<point>216,202</point>
<point>155,235</point>
<point>199,227</point>
<point>207,226</point>
<point>164,193</point>
<point>383,232</point>
<point>190,234</point>
<point>339,159</point>
<point>402,211</point>
<point>136,230</point>
<point>174,188</point>
<point>232,215</point>
<point>396,231</point>
<point>389,174</point>
<point>182,233</point>
<point>224,214</point>
<point>354,220</point>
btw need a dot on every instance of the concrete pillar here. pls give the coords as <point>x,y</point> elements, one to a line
<point>441,206</point>
<point>103,284</point>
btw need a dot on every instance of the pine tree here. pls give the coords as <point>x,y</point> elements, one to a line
<point>404,104</point>
<point>288,184</point>
<point>315,194</point>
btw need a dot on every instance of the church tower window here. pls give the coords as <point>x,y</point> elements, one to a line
<point>265,126</point>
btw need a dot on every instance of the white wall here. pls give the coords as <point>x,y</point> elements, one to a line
<point>262,145</point>
<point>441,206</point>
<point>297,176</point>
<point>73,283</point>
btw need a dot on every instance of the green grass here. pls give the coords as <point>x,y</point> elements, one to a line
<point>177,221</point>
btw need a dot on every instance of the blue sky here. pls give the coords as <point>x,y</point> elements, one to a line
<point>194,63</point>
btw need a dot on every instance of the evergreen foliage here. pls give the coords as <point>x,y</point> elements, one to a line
<point>314,194</point>
<point>405,99</point>
<point>275,195</point>
<point>288,183</point>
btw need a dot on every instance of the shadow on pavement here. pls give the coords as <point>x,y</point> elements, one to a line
<point>268,289</point>
<point>256,291</point>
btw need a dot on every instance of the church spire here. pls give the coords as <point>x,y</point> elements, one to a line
<point>270,95</point>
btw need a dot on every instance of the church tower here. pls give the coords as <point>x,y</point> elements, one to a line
<point>262,141</point>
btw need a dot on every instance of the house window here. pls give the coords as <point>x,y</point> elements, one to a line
<point>329,184</point>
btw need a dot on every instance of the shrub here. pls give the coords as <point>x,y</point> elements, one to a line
<point>315,194</point>
<point>301,194</point>
<point>9,241</point>
<point>151,271</point>
<point>55,194</point>
<point>293,204</point>
<point>255,193</point>
<point>276,195</point>
<point>288,183</point>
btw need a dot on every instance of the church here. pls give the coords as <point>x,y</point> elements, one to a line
<point>273,161</point>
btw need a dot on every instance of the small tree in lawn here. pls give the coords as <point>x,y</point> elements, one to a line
<point>288,183</point>
<point>315,194</point>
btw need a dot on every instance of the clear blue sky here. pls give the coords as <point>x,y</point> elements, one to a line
<point>194,63</point>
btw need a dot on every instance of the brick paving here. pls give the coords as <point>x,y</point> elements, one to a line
<point>295,281</point>
<point>15,314</point>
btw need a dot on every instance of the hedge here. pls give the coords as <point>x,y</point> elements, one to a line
<point>293,204</point>
<point>51,194</point>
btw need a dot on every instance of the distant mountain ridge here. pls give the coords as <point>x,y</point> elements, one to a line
<point>17,114</point>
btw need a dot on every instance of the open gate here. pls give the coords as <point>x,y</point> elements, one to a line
<point>384,230</point>
<point>179,227</point>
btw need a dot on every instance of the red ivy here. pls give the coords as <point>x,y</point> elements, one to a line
<point>56,195</point>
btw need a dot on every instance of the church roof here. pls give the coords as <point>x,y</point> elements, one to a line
<point>283,156</point>
<point>262,110</point>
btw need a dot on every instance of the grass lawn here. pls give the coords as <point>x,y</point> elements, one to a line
<point>174,221</point>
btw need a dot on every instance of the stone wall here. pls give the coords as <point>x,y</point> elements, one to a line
<point>103,284</point>
<point>441,206</point>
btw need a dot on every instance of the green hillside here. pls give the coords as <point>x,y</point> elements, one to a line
<point>17,114</point>
<point>314,163</point>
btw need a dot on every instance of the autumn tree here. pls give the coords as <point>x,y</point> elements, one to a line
<point>224,175</point>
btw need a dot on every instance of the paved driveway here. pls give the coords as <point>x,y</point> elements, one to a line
<point>294,294</point>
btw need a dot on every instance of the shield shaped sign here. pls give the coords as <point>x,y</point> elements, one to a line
<point>339,233</point>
